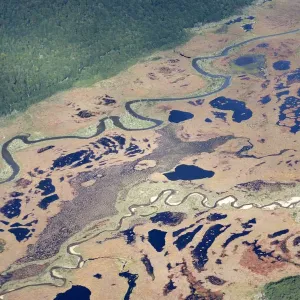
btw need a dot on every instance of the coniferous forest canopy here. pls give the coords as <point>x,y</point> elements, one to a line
<point>46,46</point>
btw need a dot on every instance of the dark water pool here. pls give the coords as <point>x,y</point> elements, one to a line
<point>147,263</point>
<point>293,104</point>
<point>220,115</point>
<point>157,239</point>
<point>129,235</point>
<point>98,276</point>
<point>20,234</point>
<point>265,99</point>
<point>75,292</point>
<point>278,233</point>
<point>186,238</point>
<point>82,156</point>
<point>240,111</point>
<point>236,20</point>
<point>235,236</point>
<point>281,86</point>
<point>208,120</point>
<point>199,254</point>
<point>131,279</point>
<point>249,223</point>
<point>247,27</point>
<point>245,60</point>
<point>177,116</point>
<point>257,249</point>
<point>44,203</point>
<point>169,287</point>
<point>188,172</point>
<point>282,65</point>
<point>215,216</point>
<point>46,186</point>
<point>168,218</point>
<point>12,208</point>
<point>293,77</point>
<point>263,45</point>
<point>181,230</point>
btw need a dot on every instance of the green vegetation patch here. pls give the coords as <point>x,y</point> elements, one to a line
<point>47,46</point>
<point>286,288</point>
<point>254,64</point>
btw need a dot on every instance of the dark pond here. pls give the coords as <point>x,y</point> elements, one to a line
<point>186,238</point>
<point>98,276</point>
<point>235,236</point>
<point>216,216</point>
<point>263,45</point>
<point>168,218</point>
<point>245,60</point>
<point>208,120</point>
<point>132,150</point>
<point>293,77</point>
<point>278,233</point>
<point>46,186</point>
<point>129,235</point>
<point>147,263</point>
<point>265,99</point>
<point>16,194</point>
<point>220,115</point>
<point>12,208</point>
<point>281,86</point>
<point>181,230</point>
<point>74,293</point>
<point>29,224</point>
<point>247,27</point>
<point>280,94</point>
<point>199,254</point>
<point>282,65</point>
<point>81,157</point>
<point>157,239</point>
<point>249,224</point>
<point>188,172</point>
<point>169,287</point>
<point>44,203</point>
<point>131,279</point>
<point>177,116</point>
<point>257,250</point>
<point>240,111</point>
<point>237,20</point>
<point>290,103</point>
<point>20,233</point>
<point>120,139</point>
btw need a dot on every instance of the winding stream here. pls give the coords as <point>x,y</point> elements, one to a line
<point>8,158</point>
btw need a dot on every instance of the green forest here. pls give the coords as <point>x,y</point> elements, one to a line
<point>47,46</point>
<point>284,289</point>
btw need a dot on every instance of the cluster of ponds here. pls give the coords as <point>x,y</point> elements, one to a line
<point>247,26</point>
<point>111,145</point>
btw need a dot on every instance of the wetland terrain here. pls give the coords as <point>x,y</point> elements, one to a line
<point>177,178</point>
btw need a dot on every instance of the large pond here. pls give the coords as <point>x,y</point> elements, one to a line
<point>75,292</point>
<point>239,108</point>
<point>188,172</point>
<point>177,116</point>
<point>282,65</point>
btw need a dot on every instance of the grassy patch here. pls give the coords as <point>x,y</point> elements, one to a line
<point>286,288</point>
